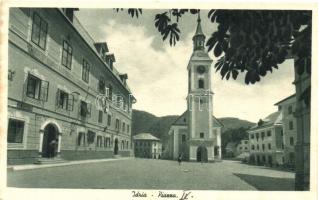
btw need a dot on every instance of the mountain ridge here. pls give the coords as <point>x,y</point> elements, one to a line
<point>143,121</point>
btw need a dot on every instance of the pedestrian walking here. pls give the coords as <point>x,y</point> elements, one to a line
<point>180,159</point>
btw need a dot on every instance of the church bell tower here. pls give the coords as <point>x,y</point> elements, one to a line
<point>199,99</point>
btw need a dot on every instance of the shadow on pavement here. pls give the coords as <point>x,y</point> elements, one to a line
<point>266,183</point>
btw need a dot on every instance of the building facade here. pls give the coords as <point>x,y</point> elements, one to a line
<point>65,97</point>
<point>196,134</point>
<point>243,147</point>
<point>266,141</point>
<point>147,146</point>
<point>287,106</point>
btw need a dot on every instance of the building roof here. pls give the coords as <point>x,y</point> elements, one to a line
<point>283,100</point>
<point>272,119</point>
<point>199,28</point>
<point>145,136</point>
<point>183,120</point>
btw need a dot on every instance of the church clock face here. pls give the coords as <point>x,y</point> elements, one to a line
<point>201,69</point>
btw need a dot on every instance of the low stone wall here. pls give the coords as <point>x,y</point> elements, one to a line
<point>20,157</point>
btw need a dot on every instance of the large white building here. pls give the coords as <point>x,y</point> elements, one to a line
<point>196,134</point>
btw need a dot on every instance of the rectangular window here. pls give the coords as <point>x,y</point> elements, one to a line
<point>201,135</point>
<point>109,120</point>
<point>263,135</point>
<point>123,127</point>
<point>100,116</point>
<point>39,31</point>
<point>110,89</point>
<point>269,133</point>
<point>99,141</point>
<point>290,110</point>
<point>291,125</point>
<point>85,71</point>
<point>291,141</point>
<point>37,88</point>
<point>85,109</point>
<point>119,101</point>
<point>257,136</point>
<point>90,137</point>
<point>269,146</point>
<point>101,86</point>
<point>15,131</point>
<point>67,55</point>
<point>263,147</point>
<point>81,138</point>
<point>252,136</point>
<point>253,147</point>
<point>117,124</point>
<point>64,100</point>
<point>127,128</point>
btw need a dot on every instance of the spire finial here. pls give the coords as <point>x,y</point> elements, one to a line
<point>199,19</point>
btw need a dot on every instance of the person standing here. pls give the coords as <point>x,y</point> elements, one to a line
<point>52,148</point>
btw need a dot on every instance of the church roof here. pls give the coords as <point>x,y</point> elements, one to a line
<point>182,120</point>
<point>145,136</point>
<point>199,28</point>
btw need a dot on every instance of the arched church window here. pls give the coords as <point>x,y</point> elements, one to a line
<point>201,83</point>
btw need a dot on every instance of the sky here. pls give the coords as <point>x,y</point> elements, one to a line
<point>157,72</point>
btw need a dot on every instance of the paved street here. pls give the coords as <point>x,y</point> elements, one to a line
<point>155,174</point>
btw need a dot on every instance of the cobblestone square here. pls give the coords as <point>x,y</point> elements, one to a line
<point>155,174</point>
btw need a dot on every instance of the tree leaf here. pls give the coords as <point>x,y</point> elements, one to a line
<point>217,50</point>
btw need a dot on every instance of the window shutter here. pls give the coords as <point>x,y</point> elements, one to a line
<point>70,102</point>
<point>44,90</point>
<point>89,109</point>
<point>58,93</point>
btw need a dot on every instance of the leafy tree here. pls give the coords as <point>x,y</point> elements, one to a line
<point>250,41</point>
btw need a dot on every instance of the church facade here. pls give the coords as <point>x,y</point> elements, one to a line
<point>196,134</point>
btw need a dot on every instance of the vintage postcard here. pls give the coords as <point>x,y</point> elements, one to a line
<point>182,100</point>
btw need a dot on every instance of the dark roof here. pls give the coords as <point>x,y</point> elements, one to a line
<point>274,118</point>
<point>281,101</point>
<point>183,120</point>
<point>145,136</point>
<point>199,28</point>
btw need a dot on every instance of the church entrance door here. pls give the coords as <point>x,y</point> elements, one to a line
<point>202,154</point>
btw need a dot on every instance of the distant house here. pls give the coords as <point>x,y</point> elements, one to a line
<point>266,141</point>
<point>242,147</point>
<point>147,146</point>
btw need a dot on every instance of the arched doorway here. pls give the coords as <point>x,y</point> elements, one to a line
<point>202,154</point>
<point>50,141</point>
<point>116,147</point>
